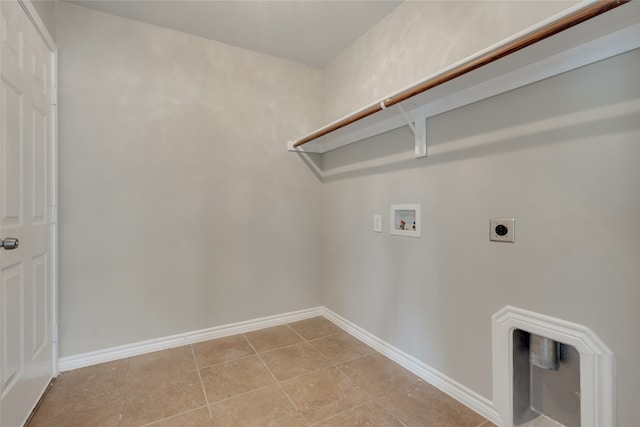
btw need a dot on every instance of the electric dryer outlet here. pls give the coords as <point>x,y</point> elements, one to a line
<point>502,230</point>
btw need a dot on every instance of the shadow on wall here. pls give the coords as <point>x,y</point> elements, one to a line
<point>394,150</point>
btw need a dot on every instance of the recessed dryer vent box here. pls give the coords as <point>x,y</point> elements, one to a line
<point>405,220</point>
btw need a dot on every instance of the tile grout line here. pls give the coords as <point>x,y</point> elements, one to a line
<point>215,365</point>
<point>334,364</point>
<point>371,353</point>
<point>340,413</point>
<point>279,348</point>
<point>244,393</point>
<point>395,417</point>
<point>204,391</point>
<point>303,375</point>
<point>331,362</point>
<point>345,411</point>
<point>388,411</point>
<point>304,341</point>
<point>278,382</point>
<point>386,392</point>
<point>374,398</point>
<point>355,358</point>
<point>174,415</point>
<point>171,416</point>
<point>296,332</point>
<point>372,401</point>
<point>341,331</point>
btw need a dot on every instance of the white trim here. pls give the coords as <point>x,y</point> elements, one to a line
<point>597,363</point>
<point>134,349</point>
<point>43,32</point>
<point>33,16</point>
<point>464,395</point>
<point>54,202</point>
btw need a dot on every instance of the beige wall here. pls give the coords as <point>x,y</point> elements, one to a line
<point>419,38</point>
<point>562,156</point>
<point>179,207</point>
<point>181,210</point>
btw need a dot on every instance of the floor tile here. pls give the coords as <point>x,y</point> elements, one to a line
<point>333,380</point>
<point>221,350</point>
<point>295,360</point>
<point>197,418</point>
<point>268,406</point>
<point>173,360</point>
<point>92,393</point>
<point>78,411</point>
<point>367,415</point>
<point>97,380</point>
<point>272,338</point>
<point>421,404</point>
<point>316,327</point>
<point>377,374</point>
<point>233,378</point>
<point>341,347</point>
<point>323,394</point>
<point>160,394</point>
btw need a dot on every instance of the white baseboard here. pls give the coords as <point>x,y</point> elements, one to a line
<point>454,389</point>
<point>468,397</point>
<point>134,349</point>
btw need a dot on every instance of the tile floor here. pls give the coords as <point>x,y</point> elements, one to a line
<point>301,374</point>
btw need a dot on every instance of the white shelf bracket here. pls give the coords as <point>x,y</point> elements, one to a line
<point>421,137</point>
<point>419,129</point>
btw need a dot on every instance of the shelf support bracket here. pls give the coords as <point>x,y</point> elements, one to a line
<point>419,129</point>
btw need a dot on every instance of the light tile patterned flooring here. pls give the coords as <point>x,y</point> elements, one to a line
<point>301,374</point>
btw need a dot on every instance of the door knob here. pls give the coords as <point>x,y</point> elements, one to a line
<point>9,243</point>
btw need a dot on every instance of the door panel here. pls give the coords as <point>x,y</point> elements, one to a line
<point>39,308</point>
<point>39,168</point>
<point>40,72</point>
<point>13,22</point>
<point>12,149</point>
<point>26,299</point>
<point>12,326</point>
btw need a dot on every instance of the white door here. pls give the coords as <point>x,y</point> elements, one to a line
<point>26,296</point>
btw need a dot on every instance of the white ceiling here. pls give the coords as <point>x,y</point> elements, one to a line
<point>308,31</point>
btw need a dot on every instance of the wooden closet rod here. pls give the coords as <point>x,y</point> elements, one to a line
<point>578,17</point>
